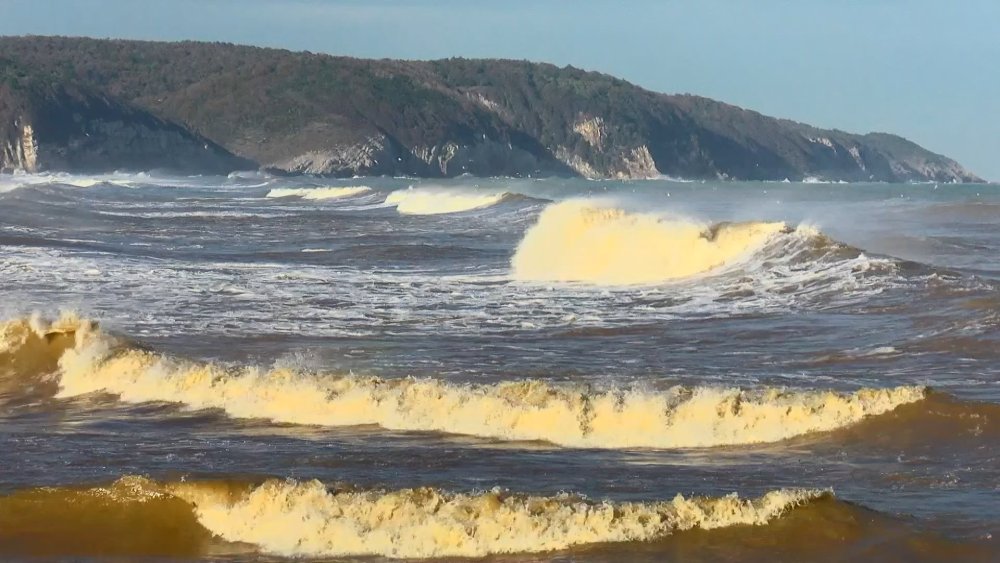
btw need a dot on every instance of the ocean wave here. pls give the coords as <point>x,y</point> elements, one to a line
<point>30,349</point>
<point>9,182</point>
<point>564,414</point>
<point>817,180</point>
<point>437,201</point>
<point>591,241</point>
<point>310,519</point>
<point>250,175</point>
<point>199,214</point>
<point>319,193</point>
<point>940,423</point>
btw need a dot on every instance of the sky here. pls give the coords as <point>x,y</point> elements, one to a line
<point>925,69</point>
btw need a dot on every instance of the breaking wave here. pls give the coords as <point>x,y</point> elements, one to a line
<point>436,201</point>
<point>30,349</point>
<point>310,519</point>
<point>565,414</point>
<point>319,193</point>
<point>9,182</point>
<point>587,241</point>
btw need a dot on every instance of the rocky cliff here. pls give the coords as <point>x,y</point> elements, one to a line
<point>46,126</point>
<point>310,113</point>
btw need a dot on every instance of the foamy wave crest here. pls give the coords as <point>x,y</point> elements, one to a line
<point>9,182</point>
<point>563,414</point>
<point>306,519</point>
<point>319,193</point>
<point>309,519</point>
<point>587,241</point>
<point>435,201</point>
<point>30,349</point>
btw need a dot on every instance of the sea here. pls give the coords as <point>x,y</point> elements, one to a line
<point>261,368</point>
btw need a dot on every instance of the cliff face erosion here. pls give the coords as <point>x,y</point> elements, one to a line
<point>48,125</point>
<point>98,104</point>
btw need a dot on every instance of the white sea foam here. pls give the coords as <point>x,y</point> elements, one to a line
<point>201,214</point>
<point>319,193</point>
<point>436,201</point>
<point>10,182</point>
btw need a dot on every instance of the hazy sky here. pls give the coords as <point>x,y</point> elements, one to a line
<point>928,70</point>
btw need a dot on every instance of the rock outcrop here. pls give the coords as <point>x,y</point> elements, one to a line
<point>339,116</point>
<point>50,127</point>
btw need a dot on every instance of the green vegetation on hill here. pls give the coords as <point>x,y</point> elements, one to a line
<point>49,122</point>
<point>343,116</point>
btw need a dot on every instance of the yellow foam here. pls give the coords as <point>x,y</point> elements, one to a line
<point>564,414</point>
<point>586,241</point>
<point>136,516</point>
<point>306,519</point>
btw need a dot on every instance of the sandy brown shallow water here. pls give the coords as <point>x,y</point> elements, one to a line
<point>554,370</point>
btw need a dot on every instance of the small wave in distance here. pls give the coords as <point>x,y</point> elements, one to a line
<point>319,193</point>
<point>439,200</point>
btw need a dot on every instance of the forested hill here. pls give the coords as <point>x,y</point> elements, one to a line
<point>305,112</point>
<point>47,123</point>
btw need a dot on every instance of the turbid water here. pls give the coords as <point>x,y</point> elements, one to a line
<point>525,370</point>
